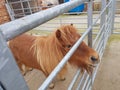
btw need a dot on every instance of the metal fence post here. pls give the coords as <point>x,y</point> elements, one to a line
<point>113,14</point>
<point>103,20</point>
<point>90,23</point>
<point>10,76</point>
<point>89,13</point>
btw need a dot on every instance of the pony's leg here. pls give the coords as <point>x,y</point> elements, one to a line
<point>52,84</point>
<point>24,69</point>
<point>21,68</point>
<point>20,65</point>
<point>30,69</point>
<point>27,69</point>
<point>62,73</point>
<point>61,76</point>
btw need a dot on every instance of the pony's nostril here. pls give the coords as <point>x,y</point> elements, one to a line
<point>93,58</point>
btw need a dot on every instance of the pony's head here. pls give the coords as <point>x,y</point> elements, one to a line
<point>67,36</point>
<point>84,57</point>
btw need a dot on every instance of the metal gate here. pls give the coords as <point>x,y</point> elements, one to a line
<point>104,22</point>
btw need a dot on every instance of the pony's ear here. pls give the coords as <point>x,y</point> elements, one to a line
<point>58,34</point>
<point>71,24</point>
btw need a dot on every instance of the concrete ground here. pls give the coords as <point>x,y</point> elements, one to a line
<point>108,76</point>
<point>35,78</point>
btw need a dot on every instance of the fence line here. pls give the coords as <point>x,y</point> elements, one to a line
<point>100,48</point>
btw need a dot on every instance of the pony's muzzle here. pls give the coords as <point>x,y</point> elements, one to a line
<point>95,60</point>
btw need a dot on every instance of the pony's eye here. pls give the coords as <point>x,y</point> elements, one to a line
<point>69,46</point>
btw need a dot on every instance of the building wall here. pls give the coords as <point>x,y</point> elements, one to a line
<point>4,16</point>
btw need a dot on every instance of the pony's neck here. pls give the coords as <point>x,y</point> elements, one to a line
<point>49,44</point>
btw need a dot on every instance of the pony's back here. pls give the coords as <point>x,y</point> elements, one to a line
<point>22,51</point>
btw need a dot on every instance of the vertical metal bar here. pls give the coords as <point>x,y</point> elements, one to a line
<point>103,20</point>
<point>22,8</point>
<point>90,23</point>
<point>104,13</point>
<point>81,80</point>
<point>74,80</point>
<point>98,35</point>
<point>90,12</point>
<point>10,76</point>
<point>10,11</point>
<point>13,12</point>
<point>85,83</point>
<point>113,14</point>
<point>88,85</point>
<point>109,21</point>
<point>28,2</point>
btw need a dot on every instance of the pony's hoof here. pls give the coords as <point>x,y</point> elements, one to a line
<point>23,73</point>
<point>63,79</point>
<point>51,86</point>
<point>30,69</point>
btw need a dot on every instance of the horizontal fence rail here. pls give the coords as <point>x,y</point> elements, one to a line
<point>19,26</point>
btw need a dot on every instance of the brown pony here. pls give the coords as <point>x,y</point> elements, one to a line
<point>45,52</point>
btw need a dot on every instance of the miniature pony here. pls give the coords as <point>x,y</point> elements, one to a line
<point>45,52</point>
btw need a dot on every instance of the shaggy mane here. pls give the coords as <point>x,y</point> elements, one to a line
<point>49,47</point>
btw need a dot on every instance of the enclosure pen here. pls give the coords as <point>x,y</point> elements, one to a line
<point>12,29</point>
